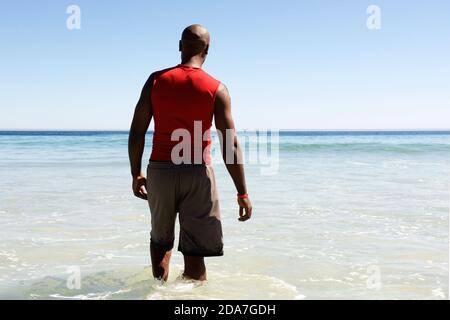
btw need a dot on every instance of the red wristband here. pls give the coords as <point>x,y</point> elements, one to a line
<point>242,196</point>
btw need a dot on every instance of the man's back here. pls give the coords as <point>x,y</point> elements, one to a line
<point>182,98</point>
<point>183,101</point>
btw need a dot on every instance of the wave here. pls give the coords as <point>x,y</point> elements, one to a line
<point>365,147</point>
<point>135,283</point>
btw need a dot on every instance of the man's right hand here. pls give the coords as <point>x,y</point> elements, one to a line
<point>139,187</point>
<point>245,209</point>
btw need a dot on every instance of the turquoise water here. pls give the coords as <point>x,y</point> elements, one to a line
<point>341,215</point>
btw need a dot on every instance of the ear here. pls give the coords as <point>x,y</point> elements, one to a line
<point>179,45</point>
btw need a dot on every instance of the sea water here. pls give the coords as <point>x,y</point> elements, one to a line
<point>342,215</point>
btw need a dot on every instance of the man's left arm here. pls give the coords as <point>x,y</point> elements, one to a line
<point>136,141</point>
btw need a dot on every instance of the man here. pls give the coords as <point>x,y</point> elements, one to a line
<point>183,100</point>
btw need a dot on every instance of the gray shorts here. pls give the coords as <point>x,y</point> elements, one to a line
<point>190,190</point>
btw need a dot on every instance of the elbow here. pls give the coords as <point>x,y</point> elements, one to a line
<point>135,136</point>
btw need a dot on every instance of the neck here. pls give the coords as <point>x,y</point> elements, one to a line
<point>195,61</point>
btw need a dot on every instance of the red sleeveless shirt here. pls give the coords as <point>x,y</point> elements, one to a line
<point>183,98</point>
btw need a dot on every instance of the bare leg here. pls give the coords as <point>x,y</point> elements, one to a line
<point>194,268</point>
<point>160,262</point>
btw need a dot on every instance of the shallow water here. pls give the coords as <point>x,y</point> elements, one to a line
<point>343,215</point>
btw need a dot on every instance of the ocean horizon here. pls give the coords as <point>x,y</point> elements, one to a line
<point>5,131</point>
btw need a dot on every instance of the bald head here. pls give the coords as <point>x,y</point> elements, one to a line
<point>194,41</point>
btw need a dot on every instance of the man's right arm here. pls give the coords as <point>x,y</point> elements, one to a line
<point>231,150</point>
<point>136,141</point>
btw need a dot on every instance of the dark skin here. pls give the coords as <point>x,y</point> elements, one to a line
<point>224,122</point>
<point>194,46</point>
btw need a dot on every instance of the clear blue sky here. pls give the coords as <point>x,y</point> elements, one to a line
<point>287,64</point>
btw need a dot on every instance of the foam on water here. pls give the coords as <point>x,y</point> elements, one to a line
<point>133,284</point>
